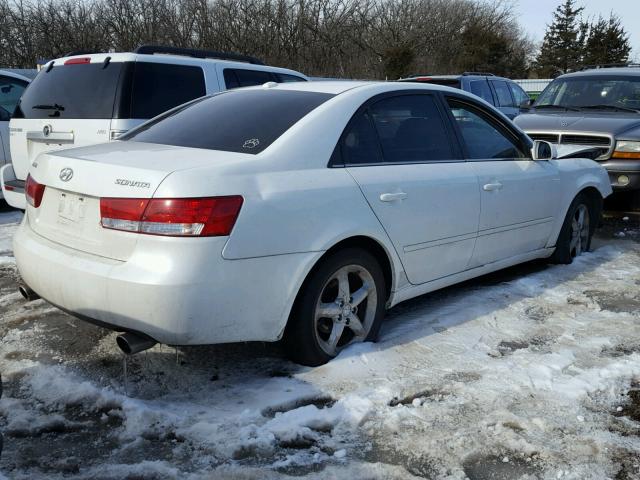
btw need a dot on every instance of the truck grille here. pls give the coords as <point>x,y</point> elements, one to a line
<point>602,143</point>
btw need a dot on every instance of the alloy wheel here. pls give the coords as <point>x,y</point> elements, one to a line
<point>579,240</point>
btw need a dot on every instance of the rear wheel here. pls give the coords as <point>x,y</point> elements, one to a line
<point>342,302</point>
<point>577,230</point>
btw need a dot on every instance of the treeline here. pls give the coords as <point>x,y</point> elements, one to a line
<point>571,42</point>
<point>343,38</point>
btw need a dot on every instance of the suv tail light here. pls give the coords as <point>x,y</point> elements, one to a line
<point>178,217</point>
<point>34,192</point>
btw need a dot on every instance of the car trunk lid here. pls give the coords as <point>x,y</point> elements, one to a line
<point>76,180</point>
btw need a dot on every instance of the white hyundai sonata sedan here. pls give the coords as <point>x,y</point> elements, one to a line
<point>296,212</point>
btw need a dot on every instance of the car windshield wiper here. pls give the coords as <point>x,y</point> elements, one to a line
<point>559,107</point>
<point>55,106</point>
<point>610,107</point>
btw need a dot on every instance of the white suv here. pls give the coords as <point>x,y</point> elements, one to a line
<point>12,84</point>
<point>85,99</point>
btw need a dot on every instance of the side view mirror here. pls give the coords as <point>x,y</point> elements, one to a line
<point>526,105</point>
<point>542,150</point>
<point>5,116</point>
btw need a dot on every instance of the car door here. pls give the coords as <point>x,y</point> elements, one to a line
<point>10,91</point>
<point>504,99</point>
<point>403,154</point>
<point>519,196</point>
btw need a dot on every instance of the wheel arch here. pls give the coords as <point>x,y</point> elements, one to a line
<point>367,243</point>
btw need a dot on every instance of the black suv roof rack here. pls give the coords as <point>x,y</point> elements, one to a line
<point>485,74</point>
<point>610,65</point>
<point>196,53</point>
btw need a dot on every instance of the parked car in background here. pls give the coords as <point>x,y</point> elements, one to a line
<point>12,83</point>
<point>504,94</point>
<point>596,109</point>
<point>299,210</point>
<point>91,98</point>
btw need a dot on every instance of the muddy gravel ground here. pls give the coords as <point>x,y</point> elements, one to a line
<point>528,373</point>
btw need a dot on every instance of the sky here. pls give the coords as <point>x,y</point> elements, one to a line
<point>535,15</point>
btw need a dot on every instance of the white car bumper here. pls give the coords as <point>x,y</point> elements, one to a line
<point>174,294</point>
<point>13,194</point>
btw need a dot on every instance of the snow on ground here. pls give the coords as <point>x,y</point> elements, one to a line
<point>533,372</point>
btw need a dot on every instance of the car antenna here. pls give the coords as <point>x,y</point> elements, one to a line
<point>50,66</point>
<point>106,62</point>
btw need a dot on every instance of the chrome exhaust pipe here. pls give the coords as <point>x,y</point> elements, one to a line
<point>28,294</point>
<point>132,343</point>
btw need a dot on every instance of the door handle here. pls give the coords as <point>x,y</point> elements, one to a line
<point>390,197</point>
<point>490,187</point>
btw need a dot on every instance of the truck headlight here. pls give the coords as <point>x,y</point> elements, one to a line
<point>626,149</point>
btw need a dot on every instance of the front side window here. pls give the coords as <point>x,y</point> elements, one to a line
<point>240,77</point>
<point>411,129</point>
<point>503,93</point>
<point>286,78</point>
<point>233,121</point>
<point>518,93</point>
<point>10,92</point>
<point>158,87</point>
<point>481,89</point>
<point>483,138</point>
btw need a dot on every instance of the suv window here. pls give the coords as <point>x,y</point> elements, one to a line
<point>10,92</point>
<point>286,78</point>
<point>591,90</point>
<point>503,93</point>
<point>481,89</point>
<point>82,91</point>
<point>232,121</point>
<point>158,87</point>
<point>518,93</point>
<point>411,129</point>
<point>484,139</point>
<point>240,77</point>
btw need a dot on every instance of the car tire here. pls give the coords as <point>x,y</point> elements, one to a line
<point>325,318</point>
<point>577,230</point>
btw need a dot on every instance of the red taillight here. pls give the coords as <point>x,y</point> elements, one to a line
<point>191,217</point>
<point>34,192</point>
<point>78,61</point>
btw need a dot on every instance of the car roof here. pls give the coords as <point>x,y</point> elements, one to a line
<point>418,78</point>
<point>336,87</point>
<point>19,73</point>
<point>172,59</point>
<point>621,71</point>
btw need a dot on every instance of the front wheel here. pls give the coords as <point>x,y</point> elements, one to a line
<point>342,302</point>
<point>577,230</point>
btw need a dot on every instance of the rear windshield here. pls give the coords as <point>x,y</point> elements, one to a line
<point>246,121</point>
<point>83,91</point>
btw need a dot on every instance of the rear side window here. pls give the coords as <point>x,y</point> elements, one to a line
<point>481,89</point>
<point>240,77</point>
<point>10,91</point>
<point>286,78</point>
<point>411,129</point>
<point>360,143</point>
<point>503,93</point>
<point>81,91</point>
<point>159,87</point>
<point>242,121</point>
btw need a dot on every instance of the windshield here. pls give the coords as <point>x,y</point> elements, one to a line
<point>245,121</point>
<point>606,92</point>
<point>82,91</point>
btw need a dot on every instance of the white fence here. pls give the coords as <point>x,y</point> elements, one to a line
<point>536,85</point>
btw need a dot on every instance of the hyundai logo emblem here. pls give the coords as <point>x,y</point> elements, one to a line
<point>46,130</point>
<point>66,174</point>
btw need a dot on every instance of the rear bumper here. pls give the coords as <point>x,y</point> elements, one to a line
<point>12,188</point>
<point>623,174</point>
<point>177,291</point>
